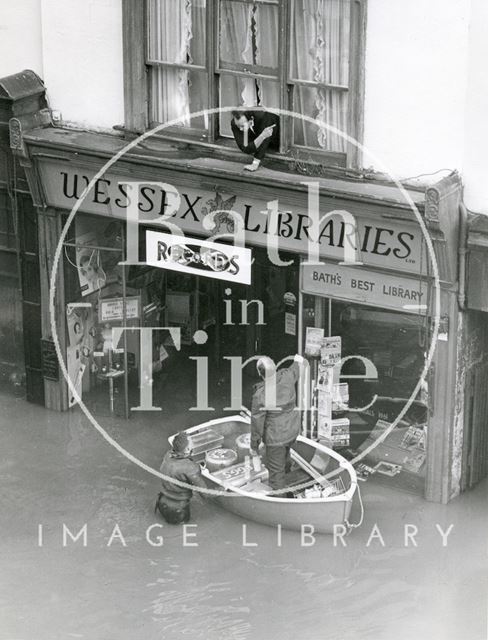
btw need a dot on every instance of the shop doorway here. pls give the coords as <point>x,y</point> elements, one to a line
<point>277,288</point>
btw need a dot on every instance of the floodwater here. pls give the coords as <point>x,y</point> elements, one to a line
<point>55,469</point>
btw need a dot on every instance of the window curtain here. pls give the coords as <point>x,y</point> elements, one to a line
<point>320,50</point>
<point>172,27</point>
<point>236,46</point>
<point>267,52</point>
<point>249,35</point>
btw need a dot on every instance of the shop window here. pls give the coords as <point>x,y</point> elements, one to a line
<point>93,290</point>
<point>101,293</point>
<point>303,55</point>
<point>395,343</point>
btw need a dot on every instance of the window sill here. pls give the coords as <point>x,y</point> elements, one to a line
<point>215,165</point>
<point>307,162</point>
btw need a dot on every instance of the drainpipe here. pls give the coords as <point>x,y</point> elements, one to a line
<point>462,253</point>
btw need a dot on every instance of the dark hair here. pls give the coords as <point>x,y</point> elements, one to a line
<point>180,442</point>
<point>237,113</point>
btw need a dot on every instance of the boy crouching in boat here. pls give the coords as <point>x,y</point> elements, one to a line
<point>173,500</point>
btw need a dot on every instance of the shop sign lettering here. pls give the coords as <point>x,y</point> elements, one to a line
<point>369,287</point>
<point>380,244</point>
<point>198,257</point>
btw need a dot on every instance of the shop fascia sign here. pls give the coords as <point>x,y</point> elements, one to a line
<point>366,286</point>
<point>198,257</point>
<point>384,244</point>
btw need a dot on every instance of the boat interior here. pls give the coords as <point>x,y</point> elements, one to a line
<point>314,472</point>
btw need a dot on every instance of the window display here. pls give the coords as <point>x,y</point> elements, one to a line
<point>101,293</point>
<point>358,407</point>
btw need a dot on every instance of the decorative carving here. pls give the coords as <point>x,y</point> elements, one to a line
<point>221,208</point>
<point>308,167</point>
<point>432,200</point>
<point>15,132</point>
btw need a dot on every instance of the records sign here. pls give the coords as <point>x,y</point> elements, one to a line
<point>198,257</point>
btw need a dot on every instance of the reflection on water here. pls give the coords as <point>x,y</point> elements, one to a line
<point>219,590</point>
<point>208,610</point>
<point>224,591</point>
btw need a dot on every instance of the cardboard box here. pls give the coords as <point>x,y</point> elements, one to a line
<point>235,476</point>
<point>204,441</point>
<point>257,486</point>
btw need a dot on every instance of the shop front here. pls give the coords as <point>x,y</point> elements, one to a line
<point>221,305</point>
<point>380,303</point>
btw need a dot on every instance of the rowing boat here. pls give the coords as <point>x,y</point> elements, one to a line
<point>322,482</point>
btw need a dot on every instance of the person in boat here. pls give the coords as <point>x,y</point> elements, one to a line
<point>279,426</point>
<point>173,500</point>
<point>255,132</point>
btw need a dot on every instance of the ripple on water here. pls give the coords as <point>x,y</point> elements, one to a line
<point>199,613</point>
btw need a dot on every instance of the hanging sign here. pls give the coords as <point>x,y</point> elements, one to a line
<point>198,257</point>
<point>369,287</point>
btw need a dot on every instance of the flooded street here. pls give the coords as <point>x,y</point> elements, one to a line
<point>55,469</point>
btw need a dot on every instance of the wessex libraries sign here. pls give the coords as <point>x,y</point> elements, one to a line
<point>198,212</point>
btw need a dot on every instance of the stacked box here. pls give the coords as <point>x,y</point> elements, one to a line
<point>217,459</point>
<point>235,476</point>
<point>335,432</point>
<point>204,441</point>
<point>340,432</point>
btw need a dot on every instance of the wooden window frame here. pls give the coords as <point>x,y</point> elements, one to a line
<point>136,85</point>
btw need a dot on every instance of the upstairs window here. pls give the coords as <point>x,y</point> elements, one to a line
<point>177,60</point>
<point>303,56</point>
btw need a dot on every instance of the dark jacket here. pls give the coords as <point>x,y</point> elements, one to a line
<point>183,469</point>
<point>277,427</point>
<point>262,119</point>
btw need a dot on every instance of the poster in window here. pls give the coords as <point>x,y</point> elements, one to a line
<point>313,341</point>
<point>91,274</point>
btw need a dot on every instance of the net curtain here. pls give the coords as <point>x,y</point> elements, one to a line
<point>249,35</point>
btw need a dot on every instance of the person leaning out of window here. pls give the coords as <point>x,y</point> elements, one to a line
<point>255,132</point>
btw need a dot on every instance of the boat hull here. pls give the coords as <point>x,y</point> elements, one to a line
<point>294,515</point>
<point>319,515</point>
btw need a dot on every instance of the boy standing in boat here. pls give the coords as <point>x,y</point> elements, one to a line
<point>173,500</point>
<point>279,425</point>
